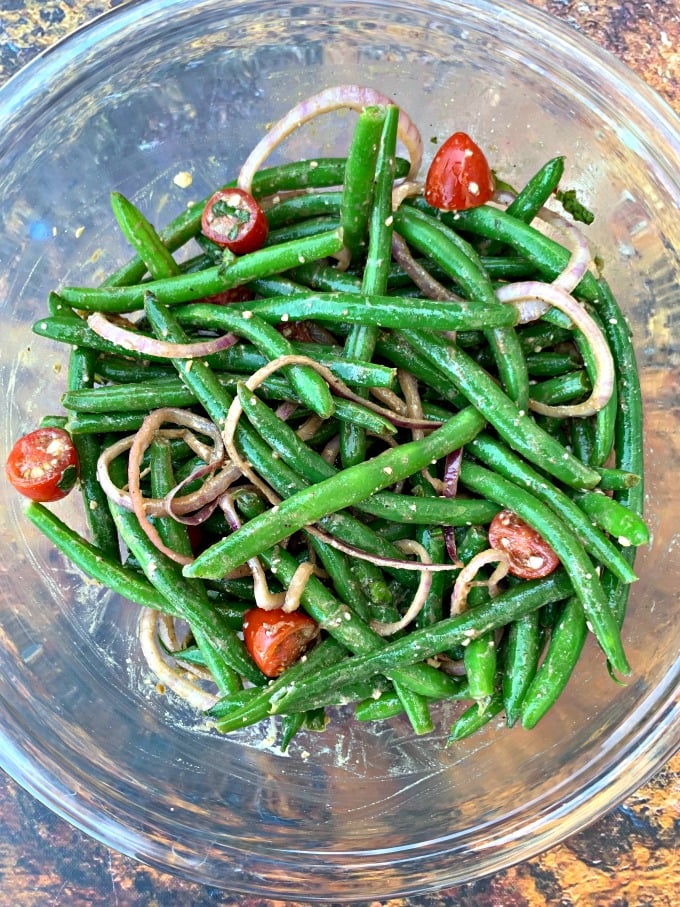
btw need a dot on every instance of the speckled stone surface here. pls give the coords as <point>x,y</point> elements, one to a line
<point>630,858</point>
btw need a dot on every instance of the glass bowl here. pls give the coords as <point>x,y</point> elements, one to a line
<point>166,87</point>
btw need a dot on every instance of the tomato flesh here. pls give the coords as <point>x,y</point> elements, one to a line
<point>43,465</point>
<point>234,220</point>
<point>275,639</point>
<point>530,556</point>
<point>459,176</point>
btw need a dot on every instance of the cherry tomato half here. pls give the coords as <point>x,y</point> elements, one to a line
<point>276,639</point>
<point>530,555</point>
<point>234,220</point>
<point>459,176</point>
<point>43,465</point>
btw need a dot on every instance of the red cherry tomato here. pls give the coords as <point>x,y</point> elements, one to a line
<point>530,555</point>
<point>276,639</point>
<point>43,465</point>
<point>459,176</point>
<point>234,220</point>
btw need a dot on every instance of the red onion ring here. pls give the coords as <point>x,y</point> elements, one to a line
<point>354,97</point>
<point>528,293</point>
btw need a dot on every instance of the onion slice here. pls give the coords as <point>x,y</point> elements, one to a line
<point>383,628</point>
<point>354,97</point>
<point>524,295</point>
<point>466,578</point>
<point>149,346</point>
<point>172,677</point>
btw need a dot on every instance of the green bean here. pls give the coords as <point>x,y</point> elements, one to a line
<point>308,384</point>
<point>143,238</point>
<point>188,287</point>
<point>380,311</point>
<point>318,173</point>
<point>479,653</point>
<point>388,705</point>
<point>629,448</point>
<point>95,563</point>
<point>345,580</point>
<point>562,388</point>
<point>582,434</point>
<point>617,479</point>
<point>313,226</point>
<point>396,507</point>
<point>474,718</point>
<point>615,518</point>
<point>335,493</point>
<point>550,363</point>
<point>361,339</point>
<point>564,651</point>
<point>431,641</point>
<point>455,255</point>
<point>296,208</point>
<point>53,421</point>
<point>549,257</point>
<point>432,540</point>
<point>290,725</point>
<point>121,370</point>
<point>286,481</point>
<point>102,423</point>
<point>531,198</point>
<point>515,426</point>
<point>522,651</point>
<point>252,704</point>
<point>100,523</point>
<point>182,597</point>
<point>542,335</point>
<point>357,193</point>
<point>504,268</point>
<point>342,622</point>
<point>175,536</point>
<point>570,551</point>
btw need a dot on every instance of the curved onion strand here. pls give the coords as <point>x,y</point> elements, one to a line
<point>169,676</point>
<point>149,346</point>
<point>353,97</point>
<point>528,291</point>
<point>466,578</point>
<point>384,628</point>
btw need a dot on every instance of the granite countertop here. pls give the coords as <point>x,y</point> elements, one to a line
<point>629,858</point>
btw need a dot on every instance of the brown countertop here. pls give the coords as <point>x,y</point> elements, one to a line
<point>627,859</point>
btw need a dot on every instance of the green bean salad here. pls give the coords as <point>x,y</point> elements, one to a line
<point>372,439</point>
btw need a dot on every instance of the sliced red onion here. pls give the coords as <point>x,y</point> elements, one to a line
<point>466,578</point>
<point>377,559</point>
<point>420,276</point>
<point>354,97</point>
<point>548,295</point>
<point>170,676</point>
<point>450,488</point>
<point>580,258</point>
<point>406,189</point>
<point>286,409</point>
<point>149,346</point>
<point>188,503</point>
<point>384,628</point>
<point>140,443</point>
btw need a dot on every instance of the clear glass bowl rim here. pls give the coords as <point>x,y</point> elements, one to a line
<point>637,763</point>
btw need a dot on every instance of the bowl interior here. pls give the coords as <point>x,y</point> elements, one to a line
<point>161,88</point>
